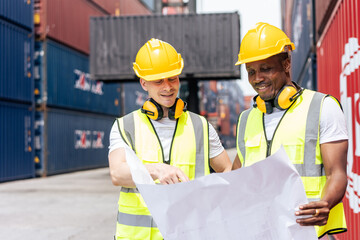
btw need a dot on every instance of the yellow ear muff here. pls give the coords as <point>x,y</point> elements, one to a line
<point>285,97</point>
<point>177,109</point>
<point>152,109</point>
<point>260,104</point>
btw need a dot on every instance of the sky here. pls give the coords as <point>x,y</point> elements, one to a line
<point>251,12</point>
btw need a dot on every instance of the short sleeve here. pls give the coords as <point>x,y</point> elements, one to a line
<point>215,145</point>
<point>116,141</point>
<point>332,122</point>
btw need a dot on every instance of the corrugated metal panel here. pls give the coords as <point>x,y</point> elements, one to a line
<point>16,141</point>
<point>307,78</point>
<point>323,10</point>
<point>65,81</point>
<point>125,7</point>
<point>134,96</point>
<point>209,43</point>
<point>18,11</point>
<point>302,36</point>
<point>16,60</point>
<point>339,75</point>
<point>67,21</point>
<point>68,141</point>
<point>287,9</point>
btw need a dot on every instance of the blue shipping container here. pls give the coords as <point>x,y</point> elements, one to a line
<point>16,61</point>
<point>16,141</point>
<point>134,96</point>
<point>68,141</point>
<point>302,36</point>
<point>20,12</point>
<point>308,77</point>
<point>62,80</point>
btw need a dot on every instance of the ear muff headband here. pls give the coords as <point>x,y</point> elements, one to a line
<point>154,111</point>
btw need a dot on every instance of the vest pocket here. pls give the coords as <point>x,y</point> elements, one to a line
<point>295,152</point>
<point>312,187</point>
<point>151,156</point>
<point>187,168</point>
<point>133,200</point>
<point>254,152</point>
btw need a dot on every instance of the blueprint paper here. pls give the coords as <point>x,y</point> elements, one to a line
<point>252,203</point>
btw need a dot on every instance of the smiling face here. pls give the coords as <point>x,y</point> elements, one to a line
<point>268,76</point>
<point>163,91</point>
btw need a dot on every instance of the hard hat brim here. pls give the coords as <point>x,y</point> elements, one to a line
<point>155,77</point>
<point>254,59</point>
<point>264,56</point>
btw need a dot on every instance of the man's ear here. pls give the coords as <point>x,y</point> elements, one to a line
<point>286,65</point>
<point>143,84</point>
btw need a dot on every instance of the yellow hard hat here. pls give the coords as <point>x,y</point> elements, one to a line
<point>261,42</point>
<point>157,60</point>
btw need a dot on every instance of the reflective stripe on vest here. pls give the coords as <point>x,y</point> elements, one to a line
<point>193,158</point>
<point>304,151</point>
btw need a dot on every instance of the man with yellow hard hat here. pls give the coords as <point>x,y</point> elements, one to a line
<point>309,125</point>
<point>174,144</point>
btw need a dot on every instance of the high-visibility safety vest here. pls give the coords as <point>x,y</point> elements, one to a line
<point>189,151</point>
<point>298,132</point>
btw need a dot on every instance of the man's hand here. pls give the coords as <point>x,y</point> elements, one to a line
<point>166,174</point>
<point>318,213</point>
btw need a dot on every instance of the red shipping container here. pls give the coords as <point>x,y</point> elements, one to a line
<point>67,21</point>
<point>338,55</point>
<point>123,7</point>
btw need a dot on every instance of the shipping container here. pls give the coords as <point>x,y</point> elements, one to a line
<point>67,141</point>
<point>20,12</point>
<point>323,10</point>
<point>208,43</point>
<point>16,141</point>
<point>286,12</point>
<point>338,57</point>
<point>308,77</point>
<point>16,63</point>
<point>302,36</point>
<point>67,21</point>
<point>126,7</point>
<point>222,102</point>
<point>134,96</point>
<point>230,103</point>
<point>62,80</point>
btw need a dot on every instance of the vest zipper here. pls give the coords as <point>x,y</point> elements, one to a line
<point>162,149</point>
<point>269,142</point>
<point>172,140</point>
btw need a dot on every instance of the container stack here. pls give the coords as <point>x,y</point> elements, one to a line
<point>303,58</point>
<point>338,54</point>
<point>16,90</point>
<point>327,56</point>
<point>74,113</point>
<point>222,102</point>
